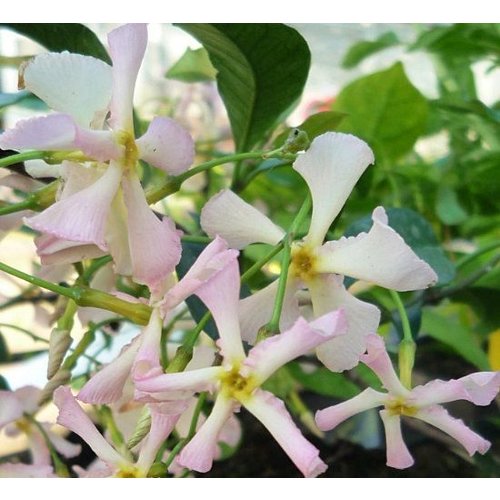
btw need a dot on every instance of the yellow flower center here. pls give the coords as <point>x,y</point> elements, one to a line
<point>129,471</point>
<point>237,386</point>
<point>24,425</point>
<point>303,262</point>
<point>130,151</point>
<point>400,407</point>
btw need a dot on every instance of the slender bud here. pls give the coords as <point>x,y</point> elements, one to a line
<point>141,429</point>
<point>60,378</point>
<point>60,340</point>
<point>407,350</point>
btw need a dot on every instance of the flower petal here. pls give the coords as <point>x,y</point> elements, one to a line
<point>155,245</point>
<point>53,250</point>
<point>479,388</point>
<point>75,419</point>
<point>148,356</point>
<point>25,470</point>
<point>331,167</point>
<point>342,353</point>
<point>221,296</point>
<point>214,258</point>
<point>83,216</point>
<point>380,256</point>
<point>167,145</point>
<point>199,453</point>
<point>238,222</point>
<point>270,354</point>
<point>199,380</point>
<point>440,418</point>
<point>127,45</point>
<point>272,413</point>
<point>63,446</point>
<point>99,145</point>
<point>44,133</point>
<point>71,83</point>
<point>256,310</point>
<point>398,455</point>
<point>106,386</point>
<point>379,361</point>
<point>11,408</point>
<point>332,416</point>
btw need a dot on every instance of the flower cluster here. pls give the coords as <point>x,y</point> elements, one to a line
<point>102,209</point>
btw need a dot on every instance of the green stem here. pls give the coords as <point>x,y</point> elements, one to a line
<point>407,346</point>
<point>256,266</point>
<point>469,258</point>
<point>21,157</point>
<point>26,204</point>
<point>196,239</point>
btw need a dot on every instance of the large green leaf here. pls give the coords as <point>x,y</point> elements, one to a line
<point>444,324</point>
<point>365,48</point>
<point>73,37</point>
<point>261,72</point>
<point>193,66</point>
<point>384,109</point>
<point>418,234</point>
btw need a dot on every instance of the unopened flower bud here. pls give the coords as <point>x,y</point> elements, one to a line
<point>60,340</point>
<point>60,378</point>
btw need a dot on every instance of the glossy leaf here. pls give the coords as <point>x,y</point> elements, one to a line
<point>361,50</point>
<point>385,110</point>
<point>261,72</point>
<point>448,207</point>
<point>72,37</point>
<point>193,66</point>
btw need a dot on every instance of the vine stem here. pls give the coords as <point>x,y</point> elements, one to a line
<point>21,157</point>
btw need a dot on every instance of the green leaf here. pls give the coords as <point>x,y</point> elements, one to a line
<point>261,72</point>
<point>418,234</point>
<point>362,50</point>
<point>448,208</point>
<point>73,37</point>
<point>193,66</point>
<point>4,385</point>
<point>7,99</point>
<point>315,125</point>
<point>443,324</point>
<point>385,110</point>
<point>4,350</point>
<point>323,381</point>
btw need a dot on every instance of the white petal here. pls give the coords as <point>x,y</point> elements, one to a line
<point>332,416</point>
<point>272,413</point>
<point>71,83</point>
<point>398,455</point>
<point>24,470</point>
<point>11,408</point>
<point>331,167</point>
<point>240,224</point>
<point>380,256</point>
<point>343,353</point>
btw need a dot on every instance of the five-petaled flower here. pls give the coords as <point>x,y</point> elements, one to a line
<point>422,402</point>
<point>331,167</point>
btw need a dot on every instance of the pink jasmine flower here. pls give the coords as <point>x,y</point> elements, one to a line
<point>163,418</point>
<point>111,212</point>
<point>237,382</point>
<point>422,402</point>
<point>331,167</point>
<point>14,406</point>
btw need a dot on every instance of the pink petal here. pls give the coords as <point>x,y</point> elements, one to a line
<point>199,380</point>
<point>164,416</point>
<point>11,408</point>
<point>167,145</point>
<point>380,256</point>
<point>63,446</point>
<point>379,361</point>
<point>77,177</point>
<point>221,296</point>
<point>53,250</point>
<point>272,413</point>
<point>199,453</point>
<point>479,388</point>
<point>148,357</point>
<point>155,245</point>
<point>99,145</point>
<point>71,83</point>
<point>398,455</point>
<point>214,258</point>
<point>74,418</point>
<point>45,133</point>
<point>331,167</point>
<point>343,353</point>
<point>238,222</point>
<point>40,453</point>
<point>28,396</point>
<point>25,470</point>
<point>270,354</point>
<point>127,45</point>
<point>440,418</point>
<point>83,216</point>
<point>332,416</point>
<point>106,386</point>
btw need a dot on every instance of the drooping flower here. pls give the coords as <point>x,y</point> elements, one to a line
<point>422,402</point>
<point>14,408</point>
<point>238,380</point>
<point>331,167</point>
<point>110,211</point>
